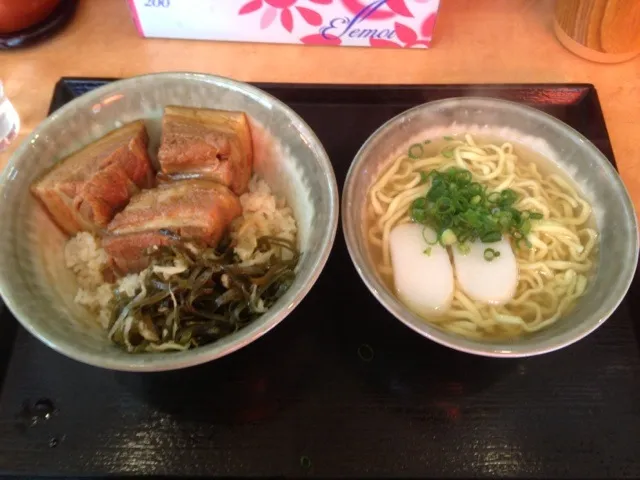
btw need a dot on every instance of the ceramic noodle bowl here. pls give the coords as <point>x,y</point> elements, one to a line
<point>562,148</point>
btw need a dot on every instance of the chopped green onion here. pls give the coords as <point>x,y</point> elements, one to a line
<point>462,177</point>
<point>426,239</point>
<point>494,197</point>
<point>490,254</point>
<point>448,138</point>
<point>462,211</point>
<point>418,216</point>
<point>420,203</point>
<point>447,153</point>
<point>427,142</point>
<point>464,248</point>
<point>444,205</point>
<point>448,237</point>
<point>491,237</point>
<point>424,178</point>
<point>427,251</point>
<point>507,197</point>
<point>416,151</point>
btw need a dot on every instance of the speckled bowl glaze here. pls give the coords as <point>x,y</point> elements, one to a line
<point>34,282</point>
<point>551,138</point>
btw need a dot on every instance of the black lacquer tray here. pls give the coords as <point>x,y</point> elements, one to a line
<point>302,402</point>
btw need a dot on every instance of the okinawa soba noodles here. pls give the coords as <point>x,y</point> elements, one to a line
<point>469,197</point>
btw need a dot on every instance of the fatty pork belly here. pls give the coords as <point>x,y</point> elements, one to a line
<point>198,210</point>
<point>86,189</point>
<point>204,143</point>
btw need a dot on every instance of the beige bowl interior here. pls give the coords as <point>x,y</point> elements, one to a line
<point>39,289</point>
<point>553,140</point>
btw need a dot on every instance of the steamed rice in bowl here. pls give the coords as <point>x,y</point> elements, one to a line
<point>264,214</point>
<point>264,239</point>
<point>39,289</point>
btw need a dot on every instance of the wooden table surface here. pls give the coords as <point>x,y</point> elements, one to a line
<point>476,41</point>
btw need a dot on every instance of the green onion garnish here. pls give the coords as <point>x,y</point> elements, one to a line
<point>416,151</point>
<point>427,142</point>
<point>448,237</point>
<point>447,153</point>
<point>490,254</point>
<point>464,248</point>
<point>305,462</point>
<point>427,241</point>
<point>424,177</point>
<point>461,210</point>
<point>448,138</point>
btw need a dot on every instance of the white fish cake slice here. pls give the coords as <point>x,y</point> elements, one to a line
<point>422,273</point>
<point>493,282</point>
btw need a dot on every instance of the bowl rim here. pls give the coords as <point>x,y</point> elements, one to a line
<point>414,322</point>
<point>165,361</point>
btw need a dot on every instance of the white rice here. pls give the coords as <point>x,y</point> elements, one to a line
<point>84,256</point>
<point>263,215</point>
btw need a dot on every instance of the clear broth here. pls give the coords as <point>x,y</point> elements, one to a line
<point>525,155</point>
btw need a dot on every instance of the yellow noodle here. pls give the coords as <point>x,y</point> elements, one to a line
<point>553,274</point>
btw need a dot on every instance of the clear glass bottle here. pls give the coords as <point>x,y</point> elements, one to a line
<point>9,120</point>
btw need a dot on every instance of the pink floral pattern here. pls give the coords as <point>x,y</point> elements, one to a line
<point>288,12</point>
<point>389,10</point>
<point>283,10</point>
<point>407,36</point>
<point>428,25</point>
<point>319,39</point>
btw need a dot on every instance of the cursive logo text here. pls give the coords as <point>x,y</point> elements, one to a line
<point>344,26</point>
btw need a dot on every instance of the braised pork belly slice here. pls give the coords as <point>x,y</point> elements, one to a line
<point>198,210</point>
<point>204,143</point>
<point>86,189</point>
<point>128,253</point>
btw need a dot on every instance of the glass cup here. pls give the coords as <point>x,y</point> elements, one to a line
<point>9,120</point>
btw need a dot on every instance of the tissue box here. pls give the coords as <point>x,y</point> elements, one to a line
<point>354,23</point>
